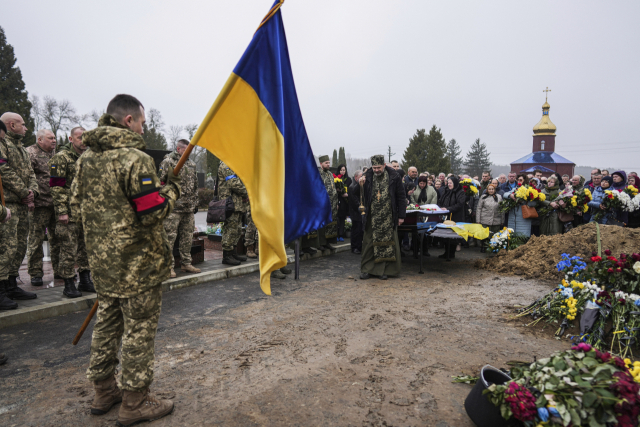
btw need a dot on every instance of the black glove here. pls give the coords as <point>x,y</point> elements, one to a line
<point>172,178</point>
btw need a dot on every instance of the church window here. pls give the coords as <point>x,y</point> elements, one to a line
<point>542,145</point>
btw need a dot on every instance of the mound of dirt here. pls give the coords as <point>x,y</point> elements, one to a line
<point>538,258</point>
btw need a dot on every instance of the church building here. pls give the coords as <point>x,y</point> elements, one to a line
<point>543,156</point>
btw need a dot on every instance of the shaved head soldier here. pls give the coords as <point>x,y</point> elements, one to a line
<point>118,196</point>
<point>20,191</point>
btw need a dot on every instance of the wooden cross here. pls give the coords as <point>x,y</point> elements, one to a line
<point>547,90</point>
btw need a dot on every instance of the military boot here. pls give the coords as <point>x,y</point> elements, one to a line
<point>70,289</point>
<point>250,252</point>
<point>237,256</point>
<point>137,407</point>
<point>278,275</point>
<point>15,292</point>
<point>227,258</point>
<point>285,270</point>
<point>173,273</point>
<point>107,395</point>
<point>6,303</point>
<point>86,284</point>
<point>309,251</point>
<point>3,359</point>
<point>189,269</point>
<point>330,247</point>
<point>36,281</point>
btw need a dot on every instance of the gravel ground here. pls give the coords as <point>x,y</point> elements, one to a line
<point>329,349</point>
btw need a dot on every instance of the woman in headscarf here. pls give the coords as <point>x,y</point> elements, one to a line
<point>535,222</point>
<point>619,184</point>
<point>453,200</point>
<point>550,224</point>
<point>425,194</point>
<point>488,213</point>
<point>343,201</point>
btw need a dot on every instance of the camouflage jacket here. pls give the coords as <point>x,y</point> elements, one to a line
<point>117,194</point>
<point>188,200</point>
<point>327,179</point>
<point>62,169</point>
<point>3,213</point>
<point>15,167</point>
<point>39,162</point>
<point>230,185</point>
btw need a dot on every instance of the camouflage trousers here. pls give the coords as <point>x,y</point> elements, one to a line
<point>251,233</point>
<point>40,219</point>
<point>72,249</point>
<point>180,224</point>
<point>232,231</point>
<point>132,323</point>
<point>13,240</point>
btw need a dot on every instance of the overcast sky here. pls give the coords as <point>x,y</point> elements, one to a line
<point>368,73</point>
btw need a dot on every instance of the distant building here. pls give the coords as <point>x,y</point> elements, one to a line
<point>543,156</point>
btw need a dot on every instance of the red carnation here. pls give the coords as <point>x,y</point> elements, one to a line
<point>610,270</point>
<point>607,252</point>
<point>604,357</point>
<point>521,402</point>
<point>596,259</point>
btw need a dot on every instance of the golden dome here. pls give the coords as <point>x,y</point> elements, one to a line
<point>544,126</point>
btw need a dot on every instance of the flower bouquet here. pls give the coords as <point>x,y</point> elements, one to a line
<point>216,229</point>
<point>340,187</point>
<point>412,207</point>
<point>621,273</point>
<point>469,187</point>
<point>524,194</point>
<point>580,387</point>
<point>631,191</point>
<point>348,224</point>
<point>612,201</point>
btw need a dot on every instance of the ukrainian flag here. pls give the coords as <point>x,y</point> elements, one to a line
<point>255,126</point>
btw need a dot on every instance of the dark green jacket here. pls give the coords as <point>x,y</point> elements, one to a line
<point>16,170</point>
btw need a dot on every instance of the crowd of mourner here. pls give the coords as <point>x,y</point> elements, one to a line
<point>109,212</point>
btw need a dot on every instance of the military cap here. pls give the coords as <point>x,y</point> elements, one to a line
<point>324,159</point>
<point>377,160</point>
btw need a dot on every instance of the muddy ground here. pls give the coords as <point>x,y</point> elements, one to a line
<point>326,350</point>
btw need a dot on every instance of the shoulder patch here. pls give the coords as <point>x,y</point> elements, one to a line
<point>146,182</point>
<point>53,170</point>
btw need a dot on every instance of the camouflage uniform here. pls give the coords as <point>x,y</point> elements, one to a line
<point>181,222</point>
<point>251,233</point>
<point>62,168</point>
<point>329,233</point>
<point>122,205</point>
<point>17,179</point>
<point>43,216</point>
<point>230,185</point>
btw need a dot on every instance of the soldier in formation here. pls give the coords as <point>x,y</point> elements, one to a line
<point>385,208</point>
<point>69,228</point>
<point>251,236</point>
<point>117,195</point>
<point>181,222</point>
<point>5,215</point>
<point>229,185</point>
<point>20,192</point>
<point>328,235</point>
<point>43,216</point>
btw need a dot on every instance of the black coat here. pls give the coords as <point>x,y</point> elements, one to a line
<point>343,203</point>
<point>354,203</point>
<point>454,201</point>
<point>396,191</point>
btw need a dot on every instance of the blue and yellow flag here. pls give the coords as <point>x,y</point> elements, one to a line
<point>255,126</point>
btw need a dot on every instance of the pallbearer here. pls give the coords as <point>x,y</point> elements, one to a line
<point>385,208</point>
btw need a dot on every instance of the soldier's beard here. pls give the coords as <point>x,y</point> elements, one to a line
<point>378,173</point>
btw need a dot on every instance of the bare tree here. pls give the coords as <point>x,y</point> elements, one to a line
<point>94,116</point>
<point>154,120</point>
<point>191,130</point>
<point>36,113</point>
<point>58,115</point>
<point>175,134</point>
